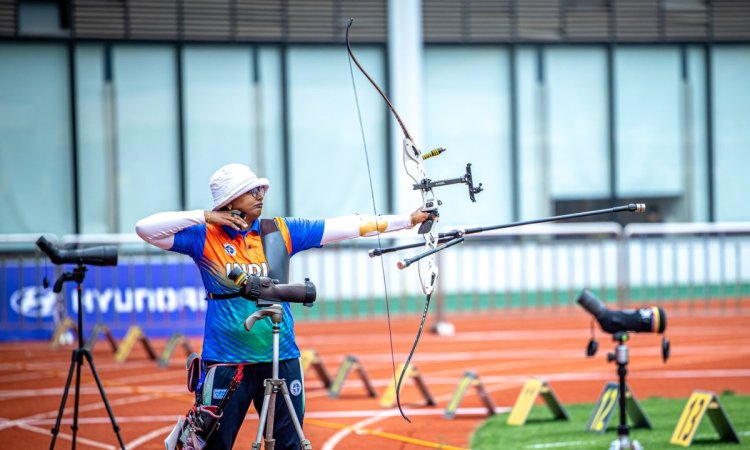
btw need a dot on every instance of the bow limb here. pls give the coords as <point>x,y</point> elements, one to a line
<point>375,85</point>
<point>353,58</point>
<point>412,158</point>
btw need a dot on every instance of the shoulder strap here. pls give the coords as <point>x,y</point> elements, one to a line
<point>212,296</point>
<point>268,226</point>
<point>274,248</point>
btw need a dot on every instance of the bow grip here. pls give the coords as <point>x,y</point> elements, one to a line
<point>426,226</point>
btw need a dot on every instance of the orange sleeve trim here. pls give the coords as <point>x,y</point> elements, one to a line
<point>281,223</point>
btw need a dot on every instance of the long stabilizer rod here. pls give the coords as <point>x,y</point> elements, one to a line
<point>450,235</point>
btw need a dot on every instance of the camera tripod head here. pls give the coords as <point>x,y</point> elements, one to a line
<point>76,275</point>
<point>275,312</point>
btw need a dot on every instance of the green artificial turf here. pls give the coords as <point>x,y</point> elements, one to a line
<point>541,431</point>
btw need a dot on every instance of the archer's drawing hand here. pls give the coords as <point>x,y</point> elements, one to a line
<point>229,218</point>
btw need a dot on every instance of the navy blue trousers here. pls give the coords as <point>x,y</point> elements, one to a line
<point>251,390</point>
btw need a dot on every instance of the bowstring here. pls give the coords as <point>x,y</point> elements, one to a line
<point>377,227</point>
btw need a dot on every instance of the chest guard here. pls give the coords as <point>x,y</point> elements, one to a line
<point>275,250</point>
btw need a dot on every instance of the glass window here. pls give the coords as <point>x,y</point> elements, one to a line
<point>269,137</point>
<point>534,198</point>
<point>563,129</point>
<point>696,188</point>
<point>95,141</point>
<point>218,115</point>
<point>731,114</point>
<point>467,111</point>
<point>576,83</point>
<point>328,170</point>
<point>146,132</point>
<point>649,130</point>
<point>232,114</point>
<point>36,186</point>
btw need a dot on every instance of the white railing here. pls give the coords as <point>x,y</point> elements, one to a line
<point>535,266</point>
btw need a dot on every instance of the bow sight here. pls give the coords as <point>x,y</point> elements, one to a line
<point>427,184</point>
<point>431,203</point>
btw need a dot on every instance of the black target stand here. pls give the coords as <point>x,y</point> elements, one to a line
<point>621,357</point>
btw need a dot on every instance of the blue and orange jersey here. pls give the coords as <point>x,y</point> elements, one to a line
<point>216,249</point>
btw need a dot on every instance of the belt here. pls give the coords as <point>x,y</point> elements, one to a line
<point>212,296</point>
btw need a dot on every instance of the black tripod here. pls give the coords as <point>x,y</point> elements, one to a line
<point>620,356</point>
<point>76,362</point>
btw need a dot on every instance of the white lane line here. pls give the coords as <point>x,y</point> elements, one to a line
<point>251,417</point>
<point>540,354</point>
<point>8,394</point>
<point>6,423</point>
<point>163,431</point>
<point>23,377</point>
<point>560,444</point>
<point>334,440</point>
<point>373,416</point>
<point>68,437</point>
<point>394,412</point>
<point>517,335</point>
<point>55,364</point>
<point>596,376</point>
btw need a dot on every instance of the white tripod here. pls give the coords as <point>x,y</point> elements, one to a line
<point>273,385</point>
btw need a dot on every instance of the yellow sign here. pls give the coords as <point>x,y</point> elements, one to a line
<point>350,362</point>
<point>526,399</point>
<point>607,405</point>
<point>308,357</point>
<point>470,378</point>
<point>67,325</point>
<point>388,400</point>
<point>134,333</point>
<point>174,341</point>
<point>604,408</point>
<point>466,381</point>
<point>524,402</point>
<point>699,404</point>
<point>338,382</point>
<point>99,329</point>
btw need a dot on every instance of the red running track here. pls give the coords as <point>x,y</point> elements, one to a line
<point>710,351</point>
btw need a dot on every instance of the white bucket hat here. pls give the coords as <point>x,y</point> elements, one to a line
<point>231,181</point>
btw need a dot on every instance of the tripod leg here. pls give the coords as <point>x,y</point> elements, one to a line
<point>56,429</point>
<point>270,441</point>
<point>263,417</point>
<point>115,427</point>
<point>295,420</point>
<point>77,396</point>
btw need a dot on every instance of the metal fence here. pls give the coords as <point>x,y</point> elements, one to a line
<point>692,266</point>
